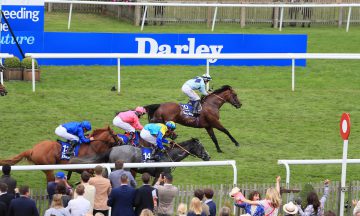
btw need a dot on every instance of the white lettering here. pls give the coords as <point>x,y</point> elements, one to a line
<point>23,13</point>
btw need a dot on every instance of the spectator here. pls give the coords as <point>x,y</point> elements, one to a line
<point>5,197</point>
<point>272,200</point>
<point>57,208</point>
<point>167,193</point>
<point>225,211</point>
<point>23,205</point>
<point>209,193</point>
<point>196,208</point>
<point>356,211</point>
<point>121,199</point>
<point>200,195</point>
<point>314,205</point>
<point>290,209</point>
<point>51,187</point>
<point>89,189</point>
<point>253,210</point>
<point>146,196</point>
<point>146,212</point>
<point>62,190</point>
<point>3,208</point>
<point>102,190</point>
<point>181,210</point>
<point>7,179</point>
<point>80,205</point>
<point>115,176</point>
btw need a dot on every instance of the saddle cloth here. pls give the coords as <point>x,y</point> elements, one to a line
<point>64,148</point>
<point>125,139</point>
<point>187,109</point>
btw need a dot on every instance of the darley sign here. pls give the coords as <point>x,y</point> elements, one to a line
<point>26,17</point>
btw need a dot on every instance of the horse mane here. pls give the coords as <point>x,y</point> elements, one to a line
<point>99,131</point>
<point>187,142</point>
<point>217,91</point>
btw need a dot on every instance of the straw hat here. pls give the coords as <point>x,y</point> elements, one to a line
<point>290,208</point>
<point>234,191</point>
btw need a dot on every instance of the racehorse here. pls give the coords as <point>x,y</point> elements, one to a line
<point>131,154</point>
<point>49,152</point>
<point>209,117</point>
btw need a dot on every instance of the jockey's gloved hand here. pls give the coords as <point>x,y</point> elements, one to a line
<point>163,150</point>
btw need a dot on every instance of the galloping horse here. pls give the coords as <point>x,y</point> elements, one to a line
<point>209,117</point>
<point>49,152</point>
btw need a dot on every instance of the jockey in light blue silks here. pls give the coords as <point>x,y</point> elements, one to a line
<point>197,83</point>
<point>75,133</point>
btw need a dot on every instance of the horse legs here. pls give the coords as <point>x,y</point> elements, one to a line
<point>69,175</point>
<point>211,133</point>
<point>224,130</point>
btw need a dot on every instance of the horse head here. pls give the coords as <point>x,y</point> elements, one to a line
<point>106,136</point>
<point>196,148</point>
<point>228,94</point>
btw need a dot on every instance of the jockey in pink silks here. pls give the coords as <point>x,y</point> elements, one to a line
<point>129,121</point>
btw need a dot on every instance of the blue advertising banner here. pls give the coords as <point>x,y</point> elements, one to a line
<point>26,19</point>
<point>58,42</point>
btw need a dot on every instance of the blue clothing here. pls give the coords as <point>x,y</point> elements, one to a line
<point>259,211</point>
<point>75,128</point>
<point>159,130</point>
<point>22,206</point>
<point>212,207</point>
<point>121,201</point>
<point>197,83</point>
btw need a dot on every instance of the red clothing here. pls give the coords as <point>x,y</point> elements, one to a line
<point>131,118</point>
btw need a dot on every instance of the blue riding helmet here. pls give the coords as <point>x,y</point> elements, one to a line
<point>86,125</point>
<point>170,125</point>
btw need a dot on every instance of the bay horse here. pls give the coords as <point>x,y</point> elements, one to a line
<point>49,152</point>
<point>209,117</point>
<point>132,154</point>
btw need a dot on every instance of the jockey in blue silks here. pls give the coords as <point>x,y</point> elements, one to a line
<point>197,83</point>
<point>75,133</point>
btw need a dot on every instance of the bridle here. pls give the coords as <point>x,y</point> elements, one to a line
<point>111,144</point>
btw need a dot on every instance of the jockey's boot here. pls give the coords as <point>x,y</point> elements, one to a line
<point>70,150</point>
<point>196,108</point>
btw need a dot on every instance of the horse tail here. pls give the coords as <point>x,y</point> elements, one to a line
<point>151,109</point>
<point>17,158</point>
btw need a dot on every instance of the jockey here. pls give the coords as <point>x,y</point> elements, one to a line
<point>129,121</point>
<point>74,132</point>
<point>154,133</point>
<point>197,83</point>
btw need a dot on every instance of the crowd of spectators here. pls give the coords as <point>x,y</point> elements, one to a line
<point>95,196</point>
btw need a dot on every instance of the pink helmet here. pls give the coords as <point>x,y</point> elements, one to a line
<point>140,110</point>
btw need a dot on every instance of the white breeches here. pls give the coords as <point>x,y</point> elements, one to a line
<point>146,135</point>
<point>190,93</point>
<point>62,132</point>
<point>118,122</point>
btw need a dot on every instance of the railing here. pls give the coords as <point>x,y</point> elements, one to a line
<point>207,57</point>
<point>211,5</point>
<point>4,55</point>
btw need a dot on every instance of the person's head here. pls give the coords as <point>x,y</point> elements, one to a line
<point>331,213</point>
<point>146,212</point>
<point>59,176</point>
<point>145,178</point>
<point>195,205</point>
<point>290,208</point>
<point>86,125</point>
<point>80,189</point>
<point>3,187</point>
<point>182,209</point>
<point>60,188</point>
<point>57,201</point>
<point>119,164</point>
<point>140,111</point>
<point>224,211</point>
<point>206,78</point>
<point>254,196</point>
<point>171,126</point>
<point>24,190</point>
<point>6,169</point>
<point>124,179</point>
<point>209,193</point>
<point>313,199</point>
<point>199,194</point>
<point>98,170</point>
<point>85,176</point>
<point>273,195</point>
<point>168,178</point>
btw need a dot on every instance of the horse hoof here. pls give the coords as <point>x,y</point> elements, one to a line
<point>220,151</point>
<point>237,144</point>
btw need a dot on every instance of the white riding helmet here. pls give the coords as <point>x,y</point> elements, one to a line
<point>206,77</point>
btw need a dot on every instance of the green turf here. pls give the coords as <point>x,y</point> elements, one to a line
<point>274,122</point>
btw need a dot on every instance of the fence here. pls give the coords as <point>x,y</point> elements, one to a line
<point>247,11</point>
<point>221,197</point>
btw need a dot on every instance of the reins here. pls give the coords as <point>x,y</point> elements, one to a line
<point>182,148</point>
